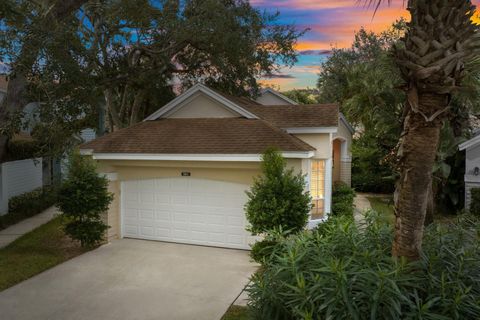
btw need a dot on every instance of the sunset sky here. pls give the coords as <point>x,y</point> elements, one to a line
<point>332,23</point>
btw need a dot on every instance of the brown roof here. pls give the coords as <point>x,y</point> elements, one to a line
<point>198,136</point>
<point>300,116</point>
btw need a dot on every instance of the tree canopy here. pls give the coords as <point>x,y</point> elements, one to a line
<point>130,57</point>
<point>366,82</point>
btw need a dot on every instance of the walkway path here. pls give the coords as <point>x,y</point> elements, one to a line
<point>11,233</point>
<point>361,204</point>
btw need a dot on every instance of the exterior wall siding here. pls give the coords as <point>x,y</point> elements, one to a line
<point>88,134</point>
<point>468,187</point>
<point>346,172</point>
<point>18,177</point>
<point>201,106</point>
<point>270,99</point>
<point>472,161</point>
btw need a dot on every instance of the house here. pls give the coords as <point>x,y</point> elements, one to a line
<point>181,174</point>
<point>472,166</point>
<point>24,175</point>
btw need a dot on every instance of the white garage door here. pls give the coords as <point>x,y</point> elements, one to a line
<point>185,210</point>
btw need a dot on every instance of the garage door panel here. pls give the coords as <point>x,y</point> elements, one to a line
<point>185,210</point>
<point>146,214</point>
<point>180,217</point>
<point>130,230</point>
<point>161,198</point>
<point>147,231</point>
<point>179,185</point>
<point>217,237</point>
<point>179,199</point>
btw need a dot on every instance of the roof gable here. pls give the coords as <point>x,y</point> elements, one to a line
<point>201,105</point>
<point>269,96</point>
<point>470,143</point>
<point>200,90</point>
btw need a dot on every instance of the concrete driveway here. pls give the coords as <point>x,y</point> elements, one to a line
<point>133,279</point>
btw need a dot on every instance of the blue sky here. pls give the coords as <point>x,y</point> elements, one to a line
<point>333,24</point>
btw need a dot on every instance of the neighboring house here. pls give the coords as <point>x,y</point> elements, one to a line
<point>472,166</point>
<point>181,174</point>
<point>53,169</point>
<point>17,177</point>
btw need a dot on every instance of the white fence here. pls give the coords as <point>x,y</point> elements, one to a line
<point>18,177</point>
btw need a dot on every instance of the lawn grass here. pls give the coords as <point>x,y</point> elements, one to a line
<point>384,206</point>
<point>236,313</point>
<point>36,251</point>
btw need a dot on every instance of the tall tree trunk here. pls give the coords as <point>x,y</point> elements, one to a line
<point>417,153</point>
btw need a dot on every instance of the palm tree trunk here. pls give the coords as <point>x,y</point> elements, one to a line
<point>417,153</point>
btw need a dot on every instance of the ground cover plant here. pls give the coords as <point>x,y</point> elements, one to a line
<point>343,271</point>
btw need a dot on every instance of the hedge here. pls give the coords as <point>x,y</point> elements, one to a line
<point>28,204</point>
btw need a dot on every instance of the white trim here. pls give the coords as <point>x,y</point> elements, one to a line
<point>112,176</point>
<point>313,223</point>
<point>197,157</point>
<point>178,103</point>
<point>311,130</point>
<point>469,143</point>
<point>122,209</point>
<point>86,152</point>
<point>471,178</point>
<point>346,123</point>
<point>279,95</point>
<point>328,187</point>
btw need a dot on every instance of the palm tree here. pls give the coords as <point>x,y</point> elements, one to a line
<point>440,40</point>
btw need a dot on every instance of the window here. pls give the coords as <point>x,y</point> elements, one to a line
<point>317,188</point>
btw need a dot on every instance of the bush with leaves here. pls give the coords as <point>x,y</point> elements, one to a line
<point>84,198</point>
<point>341,271</point>
<point>264,249</point>
<point>475,201</point>
<point>28,204</point>
<point>342,200</point>
<point>277,198</point>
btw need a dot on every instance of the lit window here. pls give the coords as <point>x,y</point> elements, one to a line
<point>317,188</point>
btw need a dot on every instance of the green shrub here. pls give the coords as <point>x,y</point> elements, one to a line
<point>475,201</point>
<point>28,204</point>
<point>22,149</point>
<point>262,250</point>
<point>83,198</point>
<point>342,200</point>
<point>341,272</point>
<point>277,198</point>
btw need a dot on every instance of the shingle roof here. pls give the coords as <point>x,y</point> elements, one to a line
<point>198,136</point>
<point>290,116</point>
<point>299,116</point>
